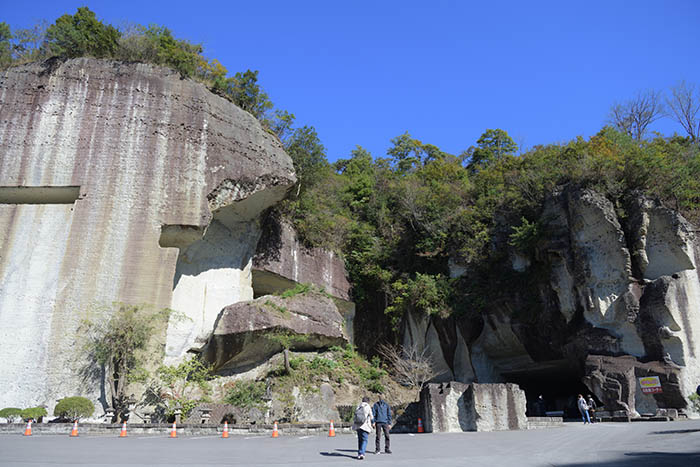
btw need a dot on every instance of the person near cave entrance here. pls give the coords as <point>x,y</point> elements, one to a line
<point>591,408</point>
<point>583,408</point>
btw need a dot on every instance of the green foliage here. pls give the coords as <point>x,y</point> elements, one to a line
<point>33,413</point>
<point>492,146</point>
<point>525,236</point>
<point>11,414</point>
<point>74,408</point>
<point>181,386</point>
<point>81,35</point>
<point>246,394</point>
<point>298,289</point>
<point>245,92</point>
<point>120,347</point>
<point>5,45</point>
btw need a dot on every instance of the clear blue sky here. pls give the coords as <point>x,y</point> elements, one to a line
<point>363,72</point>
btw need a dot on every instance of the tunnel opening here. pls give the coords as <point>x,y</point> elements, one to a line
<point>558,382</point>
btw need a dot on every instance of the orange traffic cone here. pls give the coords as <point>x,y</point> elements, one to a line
<point>275,433</point>
<point>225,433</point>
<point>420,426</point>
<point>331,430</point>
<point>74,431</point>
<point>28,430</point>
<point>173,432</point>
<point>122,434</point>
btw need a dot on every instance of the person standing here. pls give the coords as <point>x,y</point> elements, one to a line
<point>363,424</point>
<point>381,411</point>
<point>583,408</point>
<point>591,408</point>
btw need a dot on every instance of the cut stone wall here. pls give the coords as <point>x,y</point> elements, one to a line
<point>157,159</point>
<point>455,407</point>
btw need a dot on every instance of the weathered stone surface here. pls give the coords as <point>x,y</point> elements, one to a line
<point>281,261</point>
<point>242,335</point>
<point>613,380</point>
<point>160,162</point>
<point>315,406</point>
<point>454,407</point>
<point>615,286</point>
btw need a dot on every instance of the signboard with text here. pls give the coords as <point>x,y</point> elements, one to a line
<point>650,385</point>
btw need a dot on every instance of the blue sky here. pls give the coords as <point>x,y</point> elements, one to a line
<point>363,72</point>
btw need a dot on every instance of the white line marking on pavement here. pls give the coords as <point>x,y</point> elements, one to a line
<point>203,437</point>
<point>304,437</point>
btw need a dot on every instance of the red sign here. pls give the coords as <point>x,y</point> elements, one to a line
<point>651,390</point>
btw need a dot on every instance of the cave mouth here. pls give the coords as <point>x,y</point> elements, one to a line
<point>559,382</point>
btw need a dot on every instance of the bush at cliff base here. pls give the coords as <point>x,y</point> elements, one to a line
<point>33,413</point>
<point>10,414</point>
<point>74,408</point>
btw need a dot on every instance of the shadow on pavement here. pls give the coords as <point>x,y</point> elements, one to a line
<point>669,432</point>
<point>656,459</point>
<point>337,454</point>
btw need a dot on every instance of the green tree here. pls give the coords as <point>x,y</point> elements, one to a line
<point>245,92</point>
<point>406,152</point>
<point>74,408</point>
<point>492,146</point>
<point>80,35</point>
<point>118,347</point>
<point>5,45</point>
<point>308,156</point>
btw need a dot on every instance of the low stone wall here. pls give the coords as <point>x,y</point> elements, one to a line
<point>534,423</point>
<point>182,430</point>
<point>455,407</point>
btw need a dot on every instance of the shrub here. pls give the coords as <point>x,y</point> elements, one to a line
<point>34,413</point>
<point>246,394</point>
<point>74,408</point>
<point>11,414</point>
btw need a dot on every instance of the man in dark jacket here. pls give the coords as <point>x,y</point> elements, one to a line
<point>382,417</point>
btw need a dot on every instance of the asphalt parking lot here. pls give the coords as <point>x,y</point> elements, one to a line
<point>604,444</point>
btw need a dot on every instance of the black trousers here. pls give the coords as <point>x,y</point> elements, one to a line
<point>387,443</point>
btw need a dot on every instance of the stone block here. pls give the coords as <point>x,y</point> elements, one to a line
<point>455,407</point>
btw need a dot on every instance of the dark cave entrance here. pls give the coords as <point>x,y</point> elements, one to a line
<point>559,382</point>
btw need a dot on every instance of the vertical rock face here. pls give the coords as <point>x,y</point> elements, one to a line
<point>613,287</point>
<point>455,407</point>
<point>170,181</point>
<point>281,261</point>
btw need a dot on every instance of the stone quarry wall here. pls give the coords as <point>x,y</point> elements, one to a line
<point>455,407</point>
<point>281,261</point>
<point>140,187</point>
<point>615,287</point>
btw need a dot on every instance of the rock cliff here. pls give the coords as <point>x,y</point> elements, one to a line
<point>609,295</point>
<point>120,182</point>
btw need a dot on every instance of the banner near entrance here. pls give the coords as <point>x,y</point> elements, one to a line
<point>650,384</point>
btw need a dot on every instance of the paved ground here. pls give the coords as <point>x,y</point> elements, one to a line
<point>605,444</point>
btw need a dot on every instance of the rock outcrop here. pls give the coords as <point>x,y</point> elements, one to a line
<point>604,300</point>
<point>455,407</point>
<point>248,333</point>
<point>120,182</point>
<point>281,261</point>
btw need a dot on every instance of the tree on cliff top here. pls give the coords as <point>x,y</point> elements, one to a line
<point>82,35</point>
